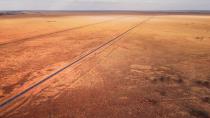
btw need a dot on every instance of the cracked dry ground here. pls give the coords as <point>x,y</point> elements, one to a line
<point>160,69</point>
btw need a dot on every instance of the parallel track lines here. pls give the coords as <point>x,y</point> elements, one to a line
<point>8,101</point>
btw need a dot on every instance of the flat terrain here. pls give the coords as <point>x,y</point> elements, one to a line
<point>124,66</point>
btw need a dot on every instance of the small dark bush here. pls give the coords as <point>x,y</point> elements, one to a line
<point>206,99</point>
<point>198,113</point>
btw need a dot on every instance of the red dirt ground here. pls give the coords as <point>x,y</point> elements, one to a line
<point>160,69</point>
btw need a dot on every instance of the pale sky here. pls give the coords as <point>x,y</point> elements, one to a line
<point>104,4</point>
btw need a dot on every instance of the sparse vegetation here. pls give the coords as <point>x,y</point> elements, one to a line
<point>198,113</point>
<point>206,99</point>
<point>152,101</point>
<point>204,83</point>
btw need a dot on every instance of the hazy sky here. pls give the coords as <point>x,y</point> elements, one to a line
<point>104,4</point>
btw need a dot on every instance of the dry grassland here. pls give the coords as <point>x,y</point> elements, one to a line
<point>160,69</point>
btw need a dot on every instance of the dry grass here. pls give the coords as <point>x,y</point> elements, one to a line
<point>159,69</point>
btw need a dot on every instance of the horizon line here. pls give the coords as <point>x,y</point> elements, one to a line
<point>112,10</point>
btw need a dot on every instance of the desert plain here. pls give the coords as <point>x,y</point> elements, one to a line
<point>148,65</point>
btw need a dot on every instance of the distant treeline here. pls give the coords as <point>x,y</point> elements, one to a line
<point>10,13</point>
<point>103,12</point>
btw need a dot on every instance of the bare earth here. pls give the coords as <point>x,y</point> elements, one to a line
<point>159,69</point>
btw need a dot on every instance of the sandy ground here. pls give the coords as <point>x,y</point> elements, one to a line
<point>160,69</point>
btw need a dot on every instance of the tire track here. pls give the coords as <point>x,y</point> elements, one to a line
<point>80,58</point>
<point>56,32</point>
